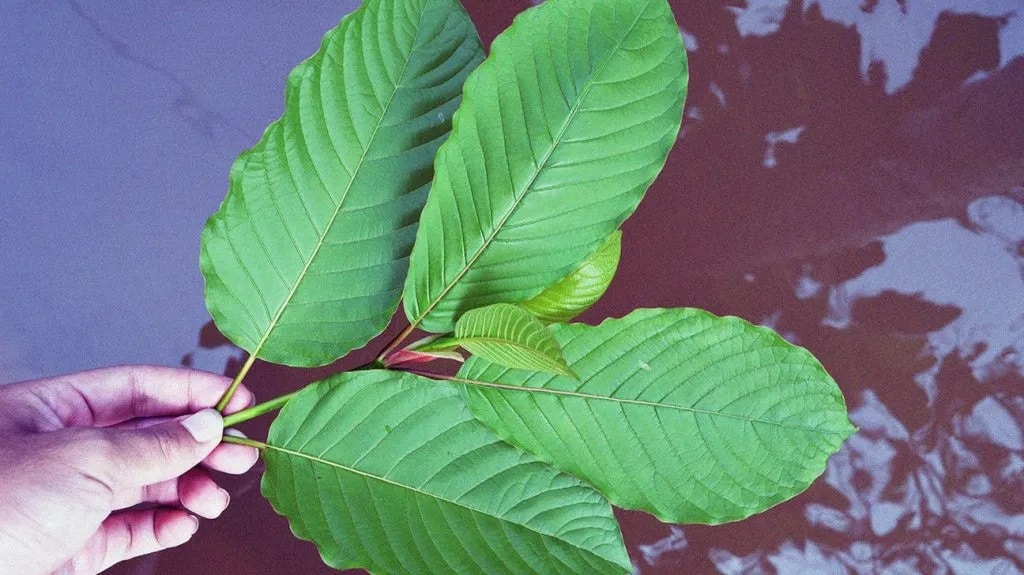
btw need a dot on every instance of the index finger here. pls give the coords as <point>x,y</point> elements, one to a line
<point>108,396</point>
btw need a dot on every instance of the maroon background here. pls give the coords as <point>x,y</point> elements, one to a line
<point>721,232</point>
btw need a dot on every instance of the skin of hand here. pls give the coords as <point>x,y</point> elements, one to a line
<point>79,454</point>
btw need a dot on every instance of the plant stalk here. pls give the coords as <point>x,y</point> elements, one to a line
<point>395,342</point>
<point>258,410</point>
<point>244,441</point>
<point>223,403</point>
<point>427,374</point>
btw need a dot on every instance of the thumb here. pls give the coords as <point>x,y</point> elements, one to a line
<point>148,455</point>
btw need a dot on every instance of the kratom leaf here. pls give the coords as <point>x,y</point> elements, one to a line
<point>691,417</point>
<point>306,257</point>
<point>561,131</point>
<point>508,335</point>
<point>581,289</point>
<point>390,472</point>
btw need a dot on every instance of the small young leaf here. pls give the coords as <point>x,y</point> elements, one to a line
<point>691,417</point>
<point>575,293</point>
<point>390,472</point>
<point>306,258</point>
<point>508,335</point>
<point>560,133</point>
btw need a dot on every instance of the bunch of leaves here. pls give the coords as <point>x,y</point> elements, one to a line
<point>487,194</point>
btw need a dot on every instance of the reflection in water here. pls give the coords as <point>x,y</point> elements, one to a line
<point>851,174</point>
<point>979,262</point>
<point>869,208</point>
<point>942,495</point>
<point>876,20</point>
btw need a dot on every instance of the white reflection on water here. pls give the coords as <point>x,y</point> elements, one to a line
<point>944,497</point>
<point>920,500</point>
<point>924,531</point>
<point>975,265</point>
<point>913,22</point>
<point>674,542</point>
<point>759,17</point>
<point>773,139</point>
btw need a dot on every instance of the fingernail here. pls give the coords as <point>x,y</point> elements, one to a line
<point>195,523</point>
<point>227,498</point>
<point>205,425</point>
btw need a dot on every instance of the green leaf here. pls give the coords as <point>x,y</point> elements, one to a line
<point>581,289</point>
<point>561,131</point>
<point>691,417</point>
<point>306,257</point>
<point>390,472</point>
<point>509,335</point>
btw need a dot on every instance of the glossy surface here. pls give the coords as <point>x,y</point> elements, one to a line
<point>853,177</point>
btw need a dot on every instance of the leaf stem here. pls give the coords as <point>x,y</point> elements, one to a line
<point>625,401</point>
<point>245,441</point>
<point>223,403</point>
<point>426,374</point>
<point>375,364</point>
<point>258,410</point>
<point>396,342</point>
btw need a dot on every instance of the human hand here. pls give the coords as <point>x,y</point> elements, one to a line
<point>79,450</point>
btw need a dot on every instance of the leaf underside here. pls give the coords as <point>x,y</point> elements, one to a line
<point>560,133</point>
<point>685,415</point>
<point>306,257</point>
<point>390,472</point>
<point>509,335</point>
<point>575,293</point>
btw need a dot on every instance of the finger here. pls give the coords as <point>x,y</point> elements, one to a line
<point>196,491</point>
<point>242,399</point>
<point>201,495</point>
<point>110,396</point>
<point>126,459</point>
<point>143,422</point>
<point>162,493</point>
<point>231,457</point>
<point>228,458</point>
<point>132,533</point>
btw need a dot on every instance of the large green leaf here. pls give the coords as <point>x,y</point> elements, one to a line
<point>560,133</point>
<point>691,417</point>
<point>390,472</point>
<point>306,257</point>
<point>509,335</point>
<point>581,289</point>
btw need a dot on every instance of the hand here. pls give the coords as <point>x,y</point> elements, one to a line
<point>77,451</point>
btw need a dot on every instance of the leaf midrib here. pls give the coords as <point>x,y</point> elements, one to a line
<point>540,168</point>
<point>348,188</point>
<point>626,401</point>
<point>536,354</point>
<point>366,474</point>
